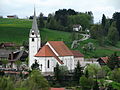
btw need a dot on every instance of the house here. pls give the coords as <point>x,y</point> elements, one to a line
<point>78,57</point>
<point>12,56</point>
<point>77,27</point>
<point>102,60</point>
<point>12,16</point>
<point>1,16</point>
<point>7,45</point>
<point>51,53</point>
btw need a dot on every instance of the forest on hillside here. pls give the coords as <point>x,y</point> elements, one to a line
<point>107,32</point>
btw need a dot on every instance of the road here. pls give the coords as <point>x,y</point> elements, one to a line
<point>75,42</point>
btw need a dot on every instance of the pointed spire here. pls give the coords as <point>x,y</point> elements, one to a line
<point>34,24</point>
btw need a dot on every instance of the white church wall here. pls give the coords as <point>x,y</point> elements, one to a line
<point>68,61</point>
<point>44,62</point>
<point>81,61</point>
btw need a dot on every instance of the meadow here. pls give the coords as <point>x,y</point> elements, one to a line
<point>17,31</point>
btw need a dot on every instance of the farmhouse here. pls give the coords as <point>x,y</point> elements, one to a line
<point>77,27</point>
<point>12,16</point>
<point>11,56</point>
<point>51,53</point>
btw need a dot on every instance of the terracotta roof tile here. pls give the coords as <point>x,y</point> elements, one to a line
<point>57,89</point>
<point>45,51</point>
<point>60,48</point>
<point>105,59</point>
<point>77,53</point>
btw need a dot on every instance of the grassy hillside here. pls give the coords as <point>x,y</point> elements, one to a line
<point>17,30</point>
<point>100,51</point>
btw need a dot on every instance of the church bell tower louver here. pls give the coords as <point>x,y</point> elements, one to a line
<point>34,40</point>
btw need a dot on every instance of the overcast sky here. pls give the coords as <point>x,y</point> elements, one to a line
<point>24,8</point>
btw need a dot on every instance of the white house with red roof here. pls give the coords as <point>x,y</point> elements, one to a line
<point>51,53</point>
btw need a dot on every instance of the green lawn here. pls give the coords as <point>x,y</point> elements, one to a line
<point>100,51</point>
<point>17,30</point>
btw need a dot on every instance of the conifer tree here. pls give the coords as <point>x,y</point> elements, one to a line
<point>77,73</point>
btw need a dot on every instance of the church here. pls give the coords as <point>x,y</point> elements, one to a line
<point>51,53</point>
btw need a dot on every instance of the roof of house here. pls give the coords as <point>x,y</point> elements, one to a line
<point>77,53</point>
<point>57,89</point>
<point>105,59</point>
<point>60,48</point>
<point>45,51</point>
<point>5,53</point>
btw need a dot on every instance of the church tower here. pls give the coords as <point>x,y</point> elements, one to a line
<point>34,41</point>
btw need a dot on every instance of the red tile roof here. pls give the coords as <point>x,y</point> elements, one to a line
<point>45,51</point>
<point>77,53</point>
<point>57,89</point>
<point>60,48</point>
<point>105,59</point>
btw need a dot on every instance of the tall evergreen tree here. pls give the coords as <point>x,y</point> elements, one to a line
<point>103,20</point>
<point>77,73</point>
<point>116,17</point>
<point>57,73</point>
<point>41,23</point>
<point>113,34</point>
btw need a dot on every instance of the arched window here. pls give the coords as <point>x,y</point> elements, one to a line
<point>32,39</point>
<point>48,63</point>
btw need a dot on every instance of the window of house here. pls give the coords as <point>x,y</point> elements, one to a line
<point>48,63</point>
<point>32,39</point>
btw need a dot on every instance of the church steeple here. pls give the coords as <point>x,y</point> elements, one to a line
<point>34,28</point>
<point>34,41</point>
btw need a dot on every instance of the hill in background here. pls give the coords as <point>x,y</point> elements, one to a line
<point>17,31</point>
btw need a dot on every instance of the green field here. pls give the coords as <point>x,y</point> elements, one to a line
<point>100,51</point>
<point>17,31</point>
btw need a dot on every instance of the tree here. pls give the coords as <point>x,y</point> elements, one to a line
<point>113,61</point>
<point>57,73</point>
<point>93,70</point>
<point>5,62</point>
<point>86,73</point>
<point>116,17</point>
<point>18,63</point>
<point>113,34</point>
<point>95,86</point>
<point>83,19</point>
<point>77,73</point>
<point>86,83</point>
<point>36,81</point>
<point>41,23</point>
<point>35,65</point>
<point>115,75</point>
<point>6,83</point>
<point>103,21</point>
